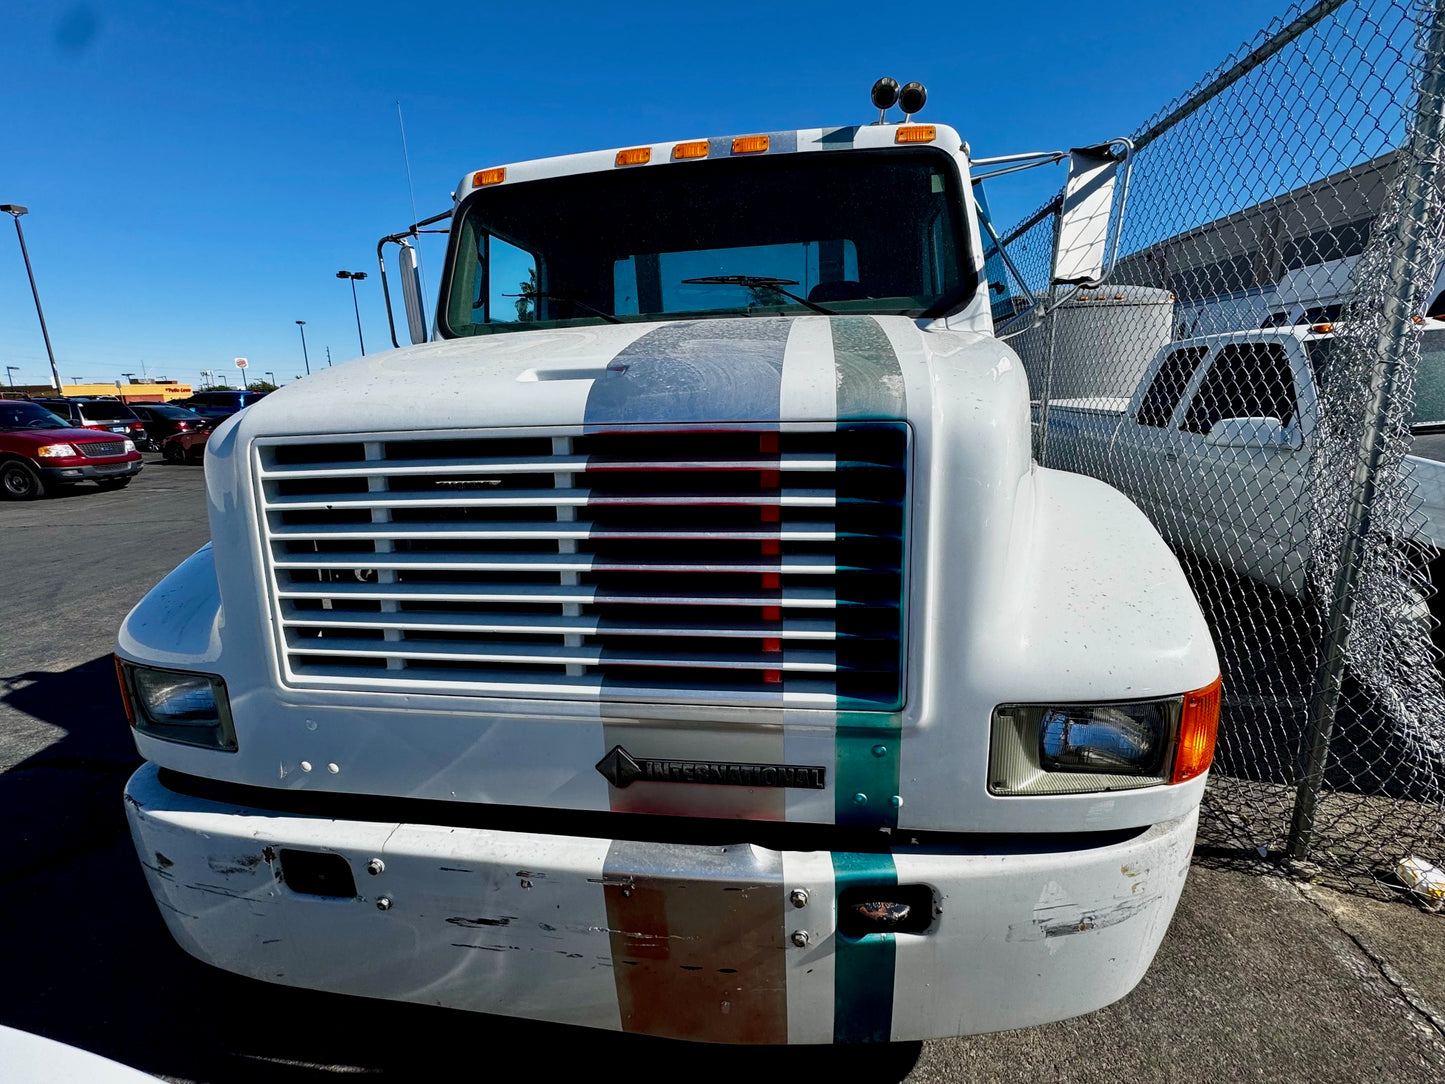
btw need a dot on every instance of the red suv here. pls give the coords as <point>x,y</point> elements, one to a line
<point>39,450</point>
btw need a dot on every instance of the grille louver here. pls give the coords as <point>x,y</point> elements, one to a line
<point>689,566</point>
<point>98,449</point>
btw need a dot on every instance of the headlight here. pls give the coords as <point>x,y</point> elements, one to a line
<point>129,446</point>
<point>178,705</point>
<point>1127,738</point>
<point>54,451</point>
<point>1080,748</point>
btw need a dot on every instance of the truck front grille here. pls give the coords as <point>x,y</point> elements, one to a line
<point>99,449</point>
<point>744,566</point>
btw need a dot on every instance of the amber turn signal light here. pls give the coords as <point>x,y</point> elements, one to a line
<point>489,176</point>
<point>750,144</point>
<point>1198,726</point>
<point>124,692</point>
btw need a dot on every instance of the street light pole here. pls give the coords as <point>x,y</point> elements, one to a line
<point>15,211</point>
<point>10,371</point>
<point>353,276</point>
<point>304,356</point>
<point>273,379</point>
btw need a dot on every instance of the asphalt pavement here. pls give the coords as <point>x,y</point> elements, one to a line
<point>1258,978</point>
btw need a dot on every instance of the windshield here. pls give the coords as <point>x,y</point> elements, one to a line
<point>29,416</point>
<point>845,232</point>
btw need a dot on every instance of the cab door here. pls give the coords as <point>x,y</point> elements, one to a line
<point>1144,457</point>
<point>1242,458</point>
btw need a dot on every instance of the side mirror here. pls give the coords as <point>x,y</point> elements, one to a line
<point>411,293</point>
<point>1082,247</point>
<point>1252,433</point>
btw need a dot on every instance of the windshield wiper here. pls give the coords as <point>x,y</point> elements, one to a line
<point>568,300</point>
<point>758,281</point>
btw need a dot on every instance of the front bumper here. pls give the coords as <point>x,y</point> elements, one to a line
<point>94,472</point>
<point>692,942</point>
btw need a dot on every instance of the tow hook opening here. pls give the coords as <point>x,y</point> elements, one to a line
<point>886,909</point>
<point>313,873</point>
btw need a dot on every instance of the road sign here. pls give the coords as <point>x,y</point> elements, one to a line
<point>241,363</point>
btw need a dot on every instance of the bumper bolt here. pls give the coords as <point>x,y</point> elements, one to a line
<point>383,903</point>
<point>800,938</point>
<point>799,897</point>
<point>375,866</point>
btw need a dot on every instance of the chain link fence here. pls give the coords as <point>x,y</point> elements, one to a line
<point>1263,373</point>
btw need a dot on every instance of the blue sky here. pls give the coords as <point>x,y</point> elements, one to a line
<point>198,172</point>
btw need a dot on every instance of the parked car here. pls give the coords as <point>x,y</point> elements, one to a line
<point>109,415</point>
<point>161,420</point>
<point>220,405</point>
<point>40,450</point>
<point>188,446</point>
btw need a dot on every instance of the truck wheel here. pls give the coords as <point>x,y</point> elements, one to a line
<point>19,482</point>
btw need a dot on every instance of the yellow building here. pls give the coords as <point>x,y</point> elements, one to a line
<point>131,393</point>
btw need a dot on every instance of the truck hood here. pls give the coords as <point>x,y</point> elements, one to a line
<point>727,369</point>
<point>58,435</point>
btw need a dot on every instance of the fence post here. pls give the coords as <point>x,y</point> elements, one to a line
<point>1408,244</point>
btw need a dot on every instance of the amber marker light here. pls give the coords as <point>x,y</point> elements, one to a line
<point>489,176</point>
<point>124,692</point>
<point>697,148</point>
<point>915,133</point>
<point>750,144</point>
<point>1323,329</point>
<point>1198,725</point>
<point>634,156</point>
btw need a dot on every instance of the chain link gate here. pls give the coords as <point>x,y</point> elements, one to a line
<point>1254,374</point>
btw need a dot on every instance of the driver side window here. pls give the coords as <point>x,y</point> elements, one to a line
<point>1247,380</point>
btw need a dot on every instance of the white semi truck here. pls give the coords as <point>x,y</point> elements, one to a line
<point>683,642</point>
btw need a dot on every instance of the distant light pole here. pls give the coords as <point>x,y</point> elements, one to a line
<point>328,357</point>
<point>10,371</point>
<point>353,276</point>
<point>304,357</point>
<point>273,379</point>
<point>15,211</point>
<point>128,376</point>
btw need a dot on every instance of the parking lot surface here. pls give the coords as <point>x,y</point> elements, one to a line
<point>1257,978</point>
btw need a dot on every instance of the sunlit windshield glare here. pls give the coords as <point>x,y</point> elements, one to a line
<point>848,232</point>
<point>15,415</point>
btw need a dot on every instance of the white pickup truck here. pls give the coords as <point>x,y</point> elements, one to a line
<point>683,642</point>
<point>1215,444</point>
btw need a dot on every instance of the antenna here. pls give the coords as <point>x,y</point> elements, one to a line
<point>410,191</point>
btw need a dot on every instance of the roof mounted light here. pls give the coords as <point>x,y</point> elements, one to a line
<point>915,133</point>
<point>754,144</point>
<point>634,156</point>
<point>696,148</point>
<point>489,176</point>
<point>911,99</point>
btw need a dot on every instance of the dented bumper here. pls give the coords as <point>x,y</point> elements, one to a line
<point>721,944</point>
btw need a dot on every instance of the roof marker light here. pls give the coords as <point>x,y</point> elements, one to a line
<point>489,176</point>
<point>1323,329</point>
<point>697,148</point>
<point>915,133</point>
<point>755,144</point>
<point>634,156</point>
